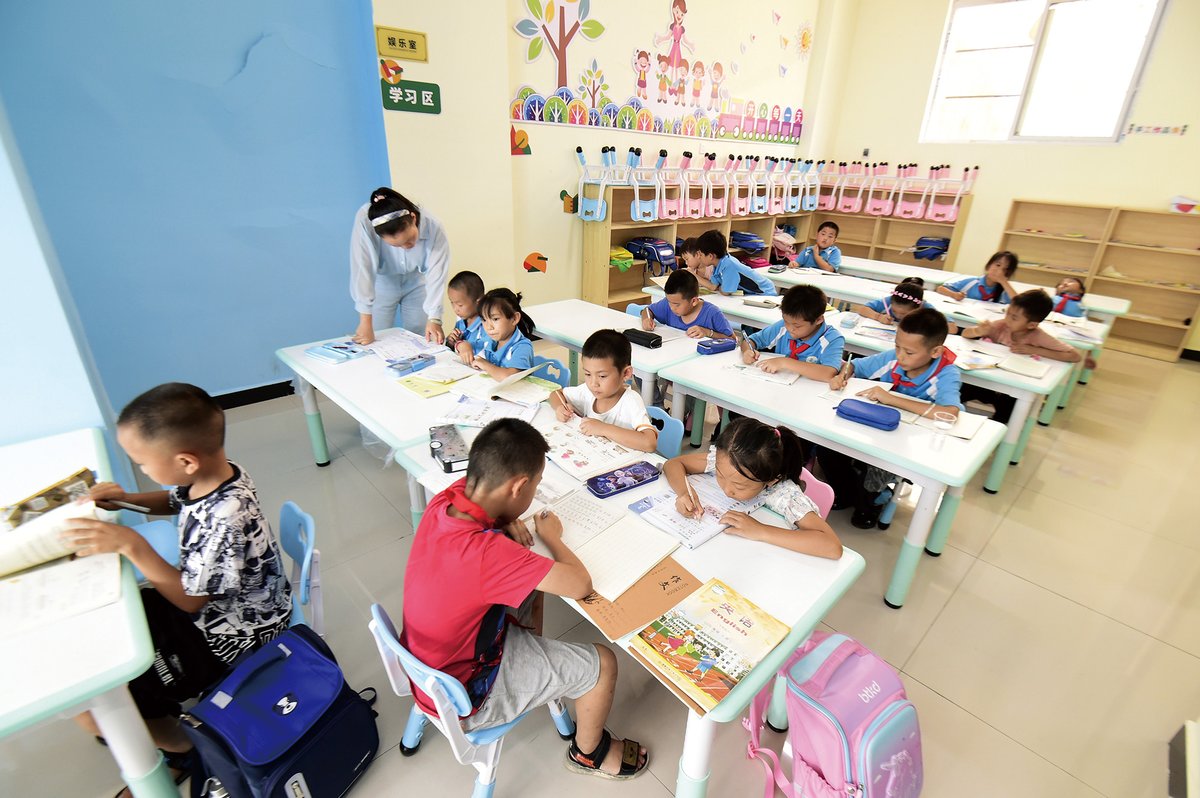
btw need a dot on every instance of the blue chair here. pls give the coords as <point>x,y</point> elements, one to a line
<point>298,536</point>
<point>635,310</point>
<point>479,748</point>
<point>163,537</point>
<point>670,431</point>
<point>553,370</point>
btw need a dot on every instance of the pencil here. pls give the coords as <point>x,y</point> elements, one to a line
<point>693,496</point>
<point>137,508</point>
<point>562,397</point>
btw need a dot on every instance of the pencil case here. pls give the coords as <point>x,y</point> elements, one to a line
<point>868,413</point>
<point>643,338</point>
<point>712,346</point>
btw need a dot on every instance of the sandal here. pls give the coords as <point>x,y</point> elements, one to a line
<point>579,762</point>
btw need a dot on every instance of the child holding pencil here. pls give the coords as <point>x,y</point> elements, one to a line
<point>608,407</point>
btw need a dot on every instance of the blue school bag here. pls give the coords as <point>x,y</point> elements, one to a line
<point>284,723</point>
<point>851,728</point>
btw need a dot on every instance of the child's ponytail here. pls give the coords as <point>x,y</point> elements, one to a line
<point>763,453</point>
<point>509,305</point>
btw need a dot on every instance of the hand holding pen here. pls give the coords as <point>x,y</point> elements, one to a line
<point>842,377</point>
<point>563,410</point>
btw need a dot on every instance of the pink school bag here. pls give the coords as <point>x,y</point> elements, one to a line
<point>851,729</point>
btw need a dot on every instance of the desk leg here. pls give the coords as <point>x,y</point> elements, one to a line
<point>910,550</point>
<point>316,427</point>
<point>942,523</point>
<point>1072,379</point>
<point>573,365</point>
<point>649,382</point>
<point>142,766</point>
<point>416,499</point>
<point>1050,405</point>
<point>692,781</point>
<point>699,411</point>
<point>1019,452</point>
<point>1022,411</point>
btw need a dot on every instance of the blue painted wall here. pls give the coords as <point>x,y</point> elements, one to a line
<point>198,167</point>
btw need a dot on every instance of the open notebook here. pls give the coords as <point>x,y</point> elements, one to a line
<point>518,387</point>
<point>754,370</point>
<point>585,456</point>
<point>660,511</point>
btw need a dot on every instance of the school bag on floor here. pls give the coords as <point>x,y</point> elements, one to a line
<point>284,723</point>
<point>851,728</point>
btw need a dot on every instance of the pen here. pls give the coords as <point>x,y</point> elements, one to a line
<point>137,508</point>
<point>694,497</point>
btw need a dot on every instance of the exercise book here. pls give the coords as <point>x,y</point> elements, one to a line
<point>585,456</point>
<point>659,510</point>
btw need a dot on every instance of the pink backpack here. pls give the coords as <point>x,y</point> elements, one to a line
<point>852,730</point>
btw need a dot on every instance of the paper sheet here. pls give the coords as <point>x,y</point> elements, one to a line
<point>659,510</point>
<point>622,554</point>
<point>399,343</point>
<point>753,370</point>
<point>422,387</point>
<point>964,427</point>
<point>58,590</point>
<point>664,586</point>
<point>447,370</point>
<point>471,412</point>
<point>668,333</point>
<point>584,456</point>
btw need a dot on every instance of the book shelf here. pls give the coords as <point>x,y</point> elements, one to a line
<point>877,237</point>
<point>1151,258</point>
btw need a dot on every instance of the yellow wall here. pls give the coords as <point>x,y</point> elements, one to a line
<point>883,100</point>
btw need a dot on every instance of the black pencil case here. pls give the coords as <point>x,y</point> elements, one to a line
<point>643,338</point>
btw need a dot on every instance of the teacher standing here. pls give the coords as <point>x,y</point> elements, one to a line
<point>399,259</point>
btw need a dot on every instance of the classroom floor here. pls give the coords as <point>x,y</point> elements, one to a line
<point>1052,650</point>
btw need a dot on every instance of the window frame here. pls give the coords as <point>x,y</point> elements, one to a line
<point>1039,43</point>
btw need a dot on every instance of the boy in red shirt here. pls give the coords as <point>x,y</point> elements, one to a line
<point>470,563</point>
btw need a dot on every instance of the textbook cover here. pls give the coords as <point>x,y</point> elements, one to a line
<point>708,642</point>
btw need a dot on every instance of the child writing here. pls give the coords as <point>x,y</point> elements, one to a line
<point>751,458</point>
<point>924,380</point>
<point>993,286</point>
<point>728,273</point>
<point>683,309</point>
<point>229,594</point>
<point>608,407</point>
<point>1019,331</point>
<point>810,346</point>
<point>508,349</point>
<point>905,298</point>
<point>823,255</point>
<point>1068,297</point>
<point>464,291</point>
<point>461,580</point>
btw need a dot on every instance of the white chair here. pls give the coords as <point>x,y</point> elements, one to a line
<point>479,748</point>
<point>298,536</point>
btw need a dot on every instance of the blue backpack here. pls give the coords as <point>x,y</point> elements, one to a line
<point>930,247</point>
<point>283,723</point>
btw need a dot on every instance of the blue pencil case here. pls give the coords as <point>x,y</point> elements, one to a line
<point>712,346</point>
<point>868,413</point>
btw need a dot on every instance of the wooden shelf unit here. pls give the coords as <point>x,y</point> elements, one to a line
<point>877,237</point>
<point>1151,258</point>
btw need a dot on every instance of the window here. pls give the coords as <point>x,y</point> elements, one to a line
<point>1013,70</point>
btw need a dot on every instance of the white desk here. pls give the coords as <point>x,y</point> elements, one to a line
<point>733,307</point>
<point>1027,391</point>
<point>796,588</point>
<point>570,321</point>
<point>81,663</point>
<point>907,451</point>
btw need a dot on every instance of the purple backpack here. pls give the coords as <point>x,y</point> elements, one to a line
<point>851,729</point>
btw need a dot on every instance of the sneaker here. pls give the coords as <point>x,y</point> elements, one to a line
<point>865,518</point>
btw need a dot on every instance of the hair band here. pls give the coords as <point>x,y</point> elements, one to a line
<point>912,299</point>
<point>776,431</point>
<point>387,217</point>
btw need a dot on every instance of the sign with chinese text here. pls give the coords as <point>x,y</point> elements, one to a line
<point>409,95</point>
<point>407,44</point>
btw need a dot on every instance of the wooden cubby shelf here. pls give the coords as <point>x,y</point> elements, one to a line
<point>879,237</point>
<point>1148,257</point>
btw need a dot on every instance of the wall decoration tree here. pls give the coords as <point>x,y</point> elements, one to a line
<point>554,25</point>
<point>592,85</point>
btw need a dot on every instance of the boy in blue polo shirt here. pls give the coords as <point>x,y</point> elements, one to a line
<point>683,309</point>
<point>810,346</point>
<point>992,286</point>
<point>728,273</point>
<point>824,255</point>
<point>1068,297</point>
<point>924,380</point>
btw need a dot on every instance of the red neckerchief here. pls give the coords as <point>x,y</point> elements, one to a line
<point>983,291</point>
<point>1063,299</point>
<point>459,501</point>
<point>897,381</point>
<point>796,348</point>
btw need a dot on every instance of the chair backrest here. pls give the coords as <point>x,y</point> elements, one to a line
<point>670,432</point>
<point>820,492</point>
<point>634,309</point>
<point>554,370</point>
<point>298,536</point>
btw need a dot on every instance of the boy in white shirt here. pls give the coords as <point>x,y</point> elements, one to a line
<point>608,407</point>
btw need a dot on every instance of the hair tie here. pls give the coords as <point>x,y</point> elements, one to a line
<point>387,217</point>
<point>776,431</point>
<point>899,295</point>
